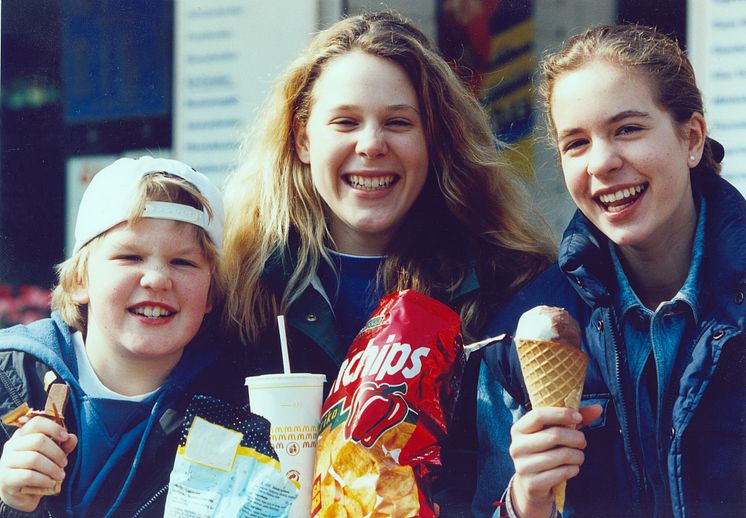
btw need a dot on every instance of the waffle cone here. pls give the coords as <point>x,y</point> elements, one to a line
<point>554,374</point>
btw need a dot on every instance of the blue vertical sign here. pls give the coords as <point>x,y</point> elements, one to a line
<point>117,59</point>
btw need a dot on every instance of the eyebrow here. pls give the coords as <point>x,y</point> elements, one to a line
<point>390,107</point>
<point>626,114</point>
<point>125,246</point>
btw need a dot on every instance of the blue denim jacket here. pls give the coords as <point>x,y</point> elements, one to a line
<point>705,450</point>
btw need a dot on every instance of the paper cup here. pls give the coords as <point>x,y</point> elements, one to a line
<point>292,404</point>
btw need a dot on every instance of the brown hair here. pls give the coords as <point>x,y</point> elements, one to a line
<point>471,197</point>
<point>73,272</point>
<point>658,56</point>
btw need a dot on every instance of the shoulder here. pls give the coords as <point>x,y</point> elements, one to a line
<point>551,288</point>
<point>36,337</point>
<point>725,234</point>
<point>21,380</point>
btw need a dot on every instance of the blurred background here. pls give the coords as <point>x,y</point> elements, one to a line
<point>86,81</point>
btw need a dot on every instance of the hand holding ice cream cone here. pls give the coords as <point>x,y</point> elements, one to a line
<point>548,345</point>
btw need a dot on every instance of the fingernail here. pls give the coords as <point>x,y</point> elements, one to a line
<point>577,417</point>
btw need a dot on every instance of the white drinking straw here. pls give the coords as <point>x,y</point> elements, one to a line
<point>283,344</point>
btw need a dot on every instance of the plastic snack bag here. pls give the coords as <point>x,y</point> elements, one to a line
<point>388,411</point>
<point>225,466</point>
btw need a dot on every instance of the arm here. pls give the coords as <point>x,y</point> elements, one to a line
<point>35,456</point>
<point>496,411</point>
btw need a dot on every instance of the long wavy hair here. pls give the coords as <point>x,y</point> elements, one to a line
<point>472,207</point>
<point>635,47</point>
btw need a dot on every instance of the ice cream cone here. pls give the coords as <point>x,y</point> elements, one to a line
<point>554,374</point>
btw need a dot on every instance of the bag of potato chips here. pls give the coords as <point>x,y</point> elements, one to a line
<point>388,410</point>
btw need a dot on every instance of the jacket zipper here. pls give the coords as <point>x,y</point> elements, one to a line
<point>150,502</point>
<point>624,422</point>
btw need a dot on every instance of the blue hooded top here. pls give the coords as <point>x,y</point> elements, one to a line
<point>110,473</point>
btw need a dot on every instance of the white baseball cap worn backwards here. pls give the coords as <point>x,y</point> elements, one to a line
<point>111,195</point>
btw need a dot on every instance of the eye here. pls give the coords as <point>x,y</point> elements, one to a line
<point>629,129</point>
<point>344,123</point>
<point>182,262</point>
<point>128,258</point>
<point>574,145</point>
<point>399,123</point>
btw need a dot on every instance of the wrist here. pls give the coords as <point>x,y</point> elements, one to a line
<point>522,509</point>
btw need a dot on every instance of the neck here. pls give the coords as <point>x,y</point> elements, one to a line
<point>360,244</point>
<point>657,275</point>
<point>127,376</point>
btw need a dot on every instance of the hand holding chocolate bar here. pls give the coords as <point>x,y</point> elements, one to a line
<point>34,458</point>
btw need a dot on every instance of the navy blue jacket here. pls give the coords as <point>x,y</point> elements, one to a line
<point>706,447</point>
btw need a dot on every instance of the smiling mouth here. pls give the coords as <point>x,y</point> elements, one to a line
<point>370,183</point>
<point>621,199</point>
<point>152,312</point>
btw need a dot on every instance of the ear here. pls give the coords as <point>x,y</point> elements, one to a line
<point>301,142</point>
<point>695,134</point>
<point>80,294</point>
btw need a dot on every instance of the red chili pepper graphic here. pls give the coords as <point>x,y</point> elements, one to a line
<point>374,409</point>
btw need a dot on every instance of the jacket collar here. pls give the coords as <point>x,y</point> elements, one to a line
<point>584,257</point>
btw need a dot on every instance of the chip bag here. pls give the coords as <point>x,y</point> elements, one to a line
<point>225,466</point>
<point>388,410</point>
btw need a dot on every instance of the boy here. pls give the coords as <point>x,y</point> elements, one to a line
<point>142,277</point>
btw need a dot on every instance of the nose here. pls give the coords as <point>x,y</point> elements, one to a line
<point>603,159</point>
<point>371,142</point>
<point>156,277</point>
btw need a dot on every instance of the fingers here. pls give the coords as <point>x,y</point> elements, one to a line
<point>546,450</point>
<point>44,437</point>
<point>44,426</point>
<point>31,458</point>
<point>69,445</point>
<point>540,418</point>
<point>590,413</point>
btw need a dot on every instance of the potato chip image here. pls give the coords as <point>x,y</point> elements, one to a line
<point>328,444</point>
<point>408,505</point>
<point>351,462</point>
<point>336,510</point>
<point>363,493</point>
<point>353,507</point>
<point>395,481</point>
<point>331,491</point>
<point>392,441</point>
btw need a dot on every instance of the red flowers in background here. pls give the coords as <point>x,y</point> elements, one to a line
<point>23,304</point>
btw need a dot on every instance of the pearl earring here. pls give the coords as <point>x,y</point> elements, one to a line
<point>692,158</point>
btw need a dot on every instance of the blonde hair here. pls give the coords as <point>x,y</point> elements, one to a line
<point>471,208</point>
<point>638,47</point>
<point>73,273</point>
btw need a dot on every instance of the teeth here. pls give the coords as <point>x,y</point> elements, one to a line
<point>368,183</point>
<point>152,311</point>
<point>621,194</point>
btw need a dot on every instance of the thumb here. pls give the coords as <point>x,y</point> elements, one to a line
<point>590,413</point>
